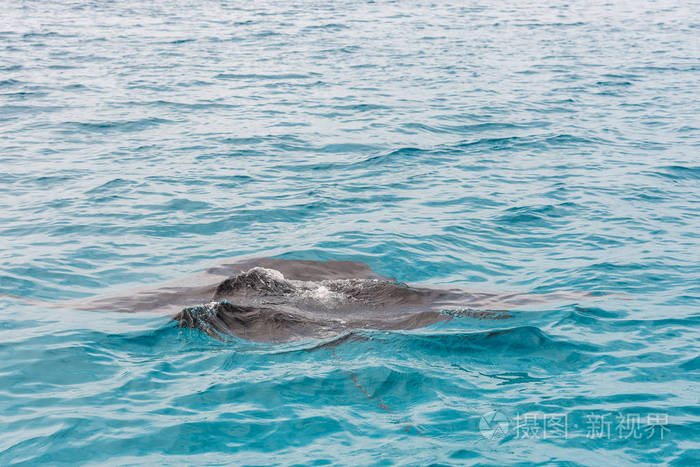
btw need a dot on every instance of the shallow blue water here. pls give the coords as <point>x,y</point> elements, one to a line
<point>529,147</point>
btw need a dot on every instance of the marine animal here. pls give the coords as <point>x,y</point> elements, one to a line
<point>280,300</point>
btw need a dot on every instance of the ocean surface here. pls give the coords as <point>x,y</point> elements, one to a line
<point>524,147</point>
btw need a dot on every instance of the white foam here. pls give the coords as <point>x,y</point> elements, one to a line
<point>273,274</point>
<point>318,293</point>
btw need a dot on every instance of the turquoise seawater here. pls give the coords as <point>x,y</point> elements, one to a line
<point>527,147</point>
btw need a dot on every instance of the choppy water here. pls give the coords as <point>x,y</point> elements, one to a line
<point>500,146</point>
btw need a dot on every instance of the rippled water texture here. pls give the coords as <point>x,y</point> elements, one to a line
<point>525,147</point>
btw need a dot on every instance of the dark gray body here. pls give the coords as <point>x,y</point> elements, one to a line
<point>282,301</point>
<point>276,300</point>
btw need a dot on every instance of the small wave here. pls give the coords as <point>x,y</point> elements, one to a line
<point>473,128</point>
<point>691,365</point>
<point>272,77</point>
<point>7,83</point>
<point>183,105</point>
<point>678,172</point>
<point>361,107</point>
<point>396,156</point>
<point>524,338</point>
<point>536,214</point>
<point>613,83</point>
<point>125,126</point>
<point>11,67</point>
<point>331,26</point>
<point>28,109</point>
<point>118,184</point>
<point>181,41</point>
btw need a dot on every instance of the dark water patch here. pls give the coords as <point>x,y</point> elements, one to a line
<point>181,41</point>
<point>263,77</point>
<point>182,181</point>
<point>543,216</point>
<point>292,124</point>
<point>24,95</point>
<point>670,68</point>
<point>116,184</point>
<point>347,148</point>
<point>226,39</point>
<point>9,83</point>
<point>265,34</point>
<point>65,67</point>
<point>496,144</point>
<point>622,76</point>
<point>231,154</point>
<point>75,86</point>
<point>532,142</point>
<point>15,110</point>
<point>477,202</point>
<point>352,108</point>
<point>233,181</point>
<point>549,24</point>
<point>473,128</point>
<point>50,181</point>
<point>678,172</point>
<point>327,26</point>
<point>47,34</point>
<point>513,378</point>
<point>174,205</point>
<point>612,83</point>
<point>244,140</point>
<point>598,313</point>
<point>15,67</point>
<point>295,145</point>
<point>401,158</point>
<point>691,365</point>
<point>124,126</point>
<point>514,347</point>
<point>181,105</point>
<point>687,129</point>
<point>349,49</point>
<point>194,83</point>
